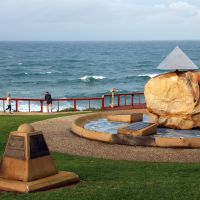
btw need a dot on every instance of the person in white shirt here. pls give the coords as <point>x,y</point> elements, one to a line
<point>8,101</point>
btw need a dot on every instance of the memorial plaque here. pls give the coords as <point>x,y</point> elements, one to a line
<point>38,146</point>
<point>139,129</point>
<point>15,147</point>
<point>138,126</point>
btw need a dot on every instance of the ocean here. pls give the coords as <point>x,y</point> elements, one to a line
<point>83,69</point>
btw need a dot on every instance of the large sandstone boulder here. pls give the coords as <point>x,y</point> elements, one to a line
<point>173,99</point>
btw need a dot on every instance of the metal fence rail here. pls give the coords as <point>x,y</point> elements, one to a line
<point>121,101</point>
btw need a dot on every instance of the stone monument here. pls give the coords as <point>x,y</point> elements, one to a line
<point>27,165</point>
<point>173,98</point>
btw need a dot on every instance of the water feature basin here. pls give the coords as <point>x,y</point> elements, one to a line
<point>97,127</point>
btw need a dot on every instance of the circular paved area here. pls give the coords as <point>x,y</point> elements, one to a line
<point>61,139</point>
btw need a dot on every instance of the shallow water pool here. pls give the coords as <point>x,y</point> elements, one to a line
<point>105,126</point>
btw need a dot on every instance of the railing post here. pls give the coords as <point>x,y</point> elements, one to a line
<point>29,106</point>
<point>16,101</point>
<point>118,98</point>
<point>103,103</point>
<point>125,99</point>
<point>132,100</point>
<point>89,103</point>
<point>58,105</point>
<point>74,104</point>
<point>41,105</point>
<point>3,105</point>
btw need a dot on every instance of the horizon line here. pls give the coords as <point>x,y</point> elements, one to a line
<point>145,40</point>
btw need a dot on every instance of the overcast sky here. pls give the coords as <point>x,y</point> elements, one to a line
<point>99,19</point>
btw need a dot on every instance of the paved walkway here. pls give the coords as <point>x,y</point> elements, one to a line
<point>61,139</point>
<point>36,113</point>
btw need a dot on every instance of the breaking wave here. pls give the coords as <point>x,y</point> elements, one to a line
<point>149,75</point>
<point>91,78</point>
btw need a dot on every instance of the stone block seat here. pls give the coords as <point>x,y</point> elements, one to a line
<point>133,117</point>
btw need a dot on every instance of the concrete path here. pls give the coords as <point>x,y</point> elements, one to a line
<point>36,113</point>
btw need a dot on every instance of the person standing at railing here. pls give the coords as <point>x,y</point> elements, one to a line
<point>48,99</point>
<point>113,90</point>
<point>8,101</point>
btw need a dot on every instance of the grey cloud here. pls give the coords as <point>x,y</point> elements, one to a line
<point>97,19</point>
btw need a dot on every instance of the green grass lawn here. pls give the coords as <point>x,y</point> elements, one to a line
<point>112,180</point>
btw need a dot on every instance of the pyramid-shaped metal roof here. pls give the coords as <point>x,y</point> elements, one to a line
<point>177,59</point>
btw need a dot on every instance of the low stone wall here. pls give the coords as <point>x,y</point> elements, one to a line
<point>177,142</point>
<point>78,129</point>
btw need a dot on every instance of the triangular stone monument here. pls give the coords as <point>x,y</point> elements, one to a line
<point>27,165</point>
<point>177,60</point>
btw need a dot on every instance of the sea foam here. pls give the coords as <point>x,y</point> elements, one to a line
<point>149,75</point>
<point>90,78</point>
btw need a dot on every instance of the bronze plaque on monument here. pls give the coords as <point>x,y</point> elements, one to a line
<point>15,147</point>
<point>139,129</point>
<point>38,146</point>
<point>138,126</point>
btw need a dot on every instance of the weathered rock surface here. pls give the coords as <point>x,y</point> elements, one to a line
<point>173,99</point>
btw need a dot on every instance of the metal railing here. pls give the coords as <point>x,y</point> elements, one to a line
<point>126,100</point>
<point>121,101</point>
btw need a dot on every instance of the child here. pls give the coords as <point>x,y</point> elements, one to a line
<point>8,101</point>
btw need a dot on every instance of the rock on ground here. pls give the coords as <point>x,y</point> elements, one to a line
<point>173,99</point>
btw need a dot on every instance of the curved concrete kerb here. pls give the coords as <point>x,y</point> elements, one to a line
<point>78,129</point>
<point>59,137</point>
<point>150,140</point>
